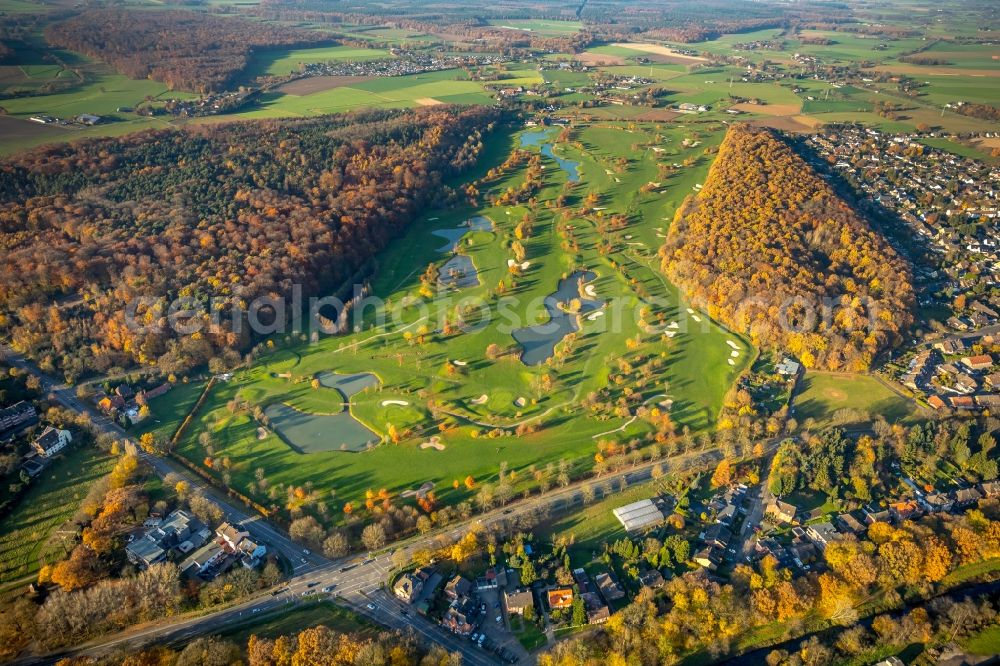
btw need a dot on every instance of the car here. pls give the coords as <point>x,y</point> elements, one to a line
<point>368,560</point>
<point>347,567</point>
<point>499,619</point>
<point>306,593</point>
<point>303,560</point>
<point>305,551</point>
<point>313,584</point>
<point>255,610</point>
<point>329,588</point>
<point>370,607</point>
<point>496,605</point>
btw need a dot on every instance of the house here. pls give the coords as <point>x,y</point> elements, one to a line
<point>251,553</point>
<point>780,512</point>
<point>408,588</point>
<point>978,363</point>
<point>651,578</point>
<point>609,586</point>
<point>717,535</point>
<point>891,661</point>
<point>950,346</point>
<point>124,391</point>
<point>110,403</point>
<point>597,611</point>
<point>458,618</point>
<point>803,552</point>
<point>936,402</point>
<point>231,535</point>
<point>787,368</point>
<point>875,514</point>
<point>179,531</point>
<point>990,489</point>
<point>203,560</point>
<point>88,119</point>
<point>966,497</point>
<point>992,380</point>
<point>51,441</point>
<point>849,523</point>
<point>708,557</point>
<point>518,600</point>
<point>822,534</point>
<point>458,588</point>
<point>560,597</point>
<point>143,397</point>
<point>19,415</point>
<point>937,503</point>
<point>900,511</point>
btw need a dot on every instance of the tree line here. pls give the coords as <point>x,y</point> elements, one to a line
<point>769,249</point>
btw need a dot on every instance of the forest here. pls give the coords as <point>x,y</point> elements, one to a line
<point>769,249</point>
<point>229,212</point>
<point>183,49</point>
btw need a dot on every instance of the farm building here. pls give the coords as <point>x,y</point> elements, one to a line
<point>639,516</point>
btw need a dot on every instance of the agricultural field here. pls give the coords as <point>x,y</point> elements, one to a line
<point>540,26</point>
<point>441,406</point>
<point>30,535</point>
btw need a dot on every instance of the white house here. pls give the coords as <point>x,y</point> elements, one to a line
<point>52,441</point>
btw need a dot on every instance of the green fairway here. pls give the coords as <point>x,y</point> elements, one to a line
<point>34,532</point>
<point>821,394</point>
<point>452,408</point>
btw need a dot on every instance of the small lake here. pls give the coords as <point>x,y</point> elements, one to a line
<point>541,139</point>
<point>458,273</point>
<point>538,342</point>
<point>320,433</point>
<point>455,234</point>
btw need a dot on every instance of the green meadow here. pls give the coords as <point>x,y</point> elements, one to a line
<point>442,389</point>
<point>284,62</point>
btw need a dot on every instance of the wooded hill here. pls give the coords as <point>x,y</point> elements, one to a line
<point>233,211</point>
<point>769,249</point>
<point>183,49</point>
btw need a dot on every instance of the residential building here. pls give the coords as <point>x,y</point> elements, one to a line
<point>51,441</point>
<point>651,578</point>
<point>231,535</point>
<point>717,535</point>
<point>408,588</point>
<point>458,588</point>
<point>780,512</point>
<point>822,534</point>
<point>597,611</point>
<point>179,531</point>
<point>848,523</point>
<point>906,510</point>
<point>17,416</point>
<point>937,503</point>
<point>518,600</point>
<point>966,497</point>
<point>560,598</point>
<point>709,557</point>
<point>978,363</point>
<point>204,560</point>
<point>609,586</point>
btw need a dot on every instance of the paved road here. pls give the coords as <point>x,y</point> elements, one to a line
<point>356,582</point>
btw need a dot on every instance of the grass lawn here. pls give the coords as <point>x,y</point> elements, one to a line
<point>821,394</point>
<point>31,533</point>
<point>967,572</point>
<point>527,633</point>
<point>169,409</point>
<point>986,642</point>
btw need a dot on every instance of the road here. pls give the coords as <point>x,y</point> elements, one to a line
<point>356,583</point>
<point>760,498</point>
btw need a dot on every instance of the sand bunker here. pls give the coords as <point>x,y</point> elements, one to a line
<point>696,318</point>
<point>521,402</point>
<point>595,315</point>
<point>261,433</point>
<point>735,354</point>
<point>460,364</point>
<point>690,311</point>
<point>732,362</point>
<point>481,400</point>
<point>428,101</point>
<point>433,443</point>
<point>589,290</point>
<point>732,344</point>
<point>401,403</point>
<point>419,492</point>
<point>523,265</point>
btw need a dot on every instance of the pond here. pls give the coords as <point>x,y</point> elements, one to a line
<point>538,342</point>
<point>321,433</point>
<point>540,138</point>
<point>455,234</point>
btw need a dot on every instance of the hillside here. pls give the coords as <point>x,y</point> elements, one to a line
<point>186,50</point>
<point>769,249</point>
<point>232,212</point>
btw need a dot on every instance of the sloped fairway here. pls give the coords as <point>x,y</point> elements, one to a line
<point>31,533</point>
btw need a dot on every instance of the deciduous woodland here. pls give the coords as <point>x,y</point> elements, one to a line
<point>768,248</point>
<point>185,50</point>
<point>233,211</point>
